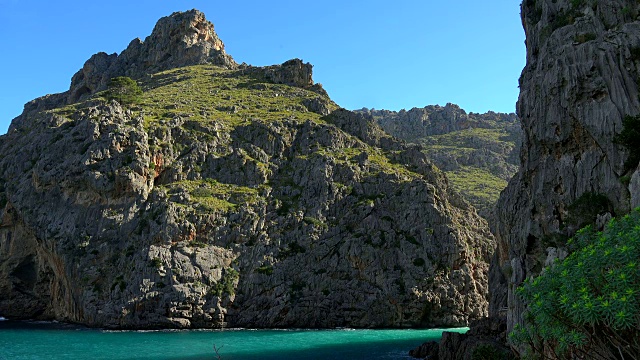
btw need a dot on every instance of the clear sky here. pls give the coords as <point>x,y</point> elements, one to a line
<point>375,54</point>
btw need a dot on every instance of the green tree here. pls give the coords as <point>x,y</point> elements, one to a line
<point>587,305</point>
<point>124,89</point>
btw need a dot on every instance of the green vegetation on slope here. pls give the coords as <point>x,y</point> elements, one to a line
<point>478,152</point>
<point>231,97</point>
<point>211,195</point>
<point>478,185</point>
<point>588,305</point>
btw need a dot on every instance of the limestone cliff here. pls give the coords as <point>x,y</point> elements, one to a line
<point>478,152</point>
<point>230,195</point>
<point>580,81</point>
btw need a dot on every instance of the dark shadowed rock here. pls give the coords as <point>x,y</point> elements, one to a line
<point>484,341</point>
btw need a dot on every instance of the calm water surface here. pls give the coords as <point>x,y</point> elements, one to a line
<point>28,340</point>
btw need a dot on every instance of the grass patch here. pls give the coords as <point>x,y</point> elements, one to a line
<point>231,98</point>
<point>479,185</point>
<point>211,195</point>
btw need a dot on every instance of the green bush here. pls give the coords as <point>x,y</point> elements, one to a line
<point>226,285</point>
<point>585,210</point>
<point>156,263</point>
<point>629,137</point>
<point>265,269</point>
<point>588,306</point>
<point>124,89</point>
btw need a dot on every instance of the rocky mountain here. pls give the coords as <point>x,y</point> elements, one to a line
<point>478,152</point>
<point>579,83</point>
<point>228,195</point>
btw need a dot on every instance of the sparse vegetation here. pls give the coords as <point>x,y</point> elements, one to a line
<point>227,283</point>
<point>212,196</point>
<point>315,222</point>
<point>156,263</point>
<point>266,269</point>
<point>582,38</point>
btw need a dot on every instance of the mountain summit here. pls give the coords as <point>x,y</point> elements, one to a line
<point>181,39</point>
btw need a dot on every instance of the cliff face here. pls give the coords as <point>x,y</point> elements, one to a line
<point>478,152</point>
<point>580,81</point>
<point>229,196</point>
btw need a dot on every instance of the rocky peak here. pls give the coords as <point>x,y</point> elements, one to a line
<point>181,39</point>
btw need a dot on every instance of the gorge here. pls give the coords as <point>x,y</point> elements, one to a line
<point>230,195</point>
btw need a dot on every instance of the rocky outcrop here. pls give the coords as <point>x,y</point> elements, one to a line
<point>485,340</point>
<point>479,152</point>
<point>580,81</point>
<point>181,39</point>
<point>230,198</point>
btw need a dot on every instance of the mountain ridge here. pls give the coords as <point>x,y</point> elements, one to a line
<point>478,152</point>
<point>230,195</point>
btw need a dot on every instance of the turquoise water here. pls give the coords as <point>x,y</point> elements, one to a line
<point>20,340</point>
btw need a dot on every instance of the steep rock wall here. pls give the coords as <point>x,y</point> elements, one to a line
<point>580,81</point>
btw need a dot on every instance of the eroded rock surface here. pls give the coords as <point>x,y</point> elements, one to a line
<point>580,81</point>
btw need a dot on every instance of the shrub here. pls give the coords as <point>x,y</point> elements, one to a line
<point>583,38</point>
<point>226,285</point>
<point>156,263</point>
<point>265,269</point>
<point>585,210</point>
<point>588,304</point>
<point>315,222</point>
<point>629,137</point>
<point>124,89</point>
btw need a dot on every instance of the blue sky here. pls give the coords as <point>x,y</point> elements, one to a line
<point>365,53</point>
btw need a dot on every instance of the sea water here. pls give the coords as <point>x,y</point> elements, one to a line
<point>50,341</point>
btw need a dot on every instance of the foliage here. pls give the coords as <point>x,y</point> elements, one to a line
<point>588,304</point>
<point>635,53</point>
<point>314,221</point>
<point>156,263</point>
<point>479,186</point>
<point>629,137</point>
<point>227,284</point>
<point>266,269</point>
<point>583,38</point>
<point>125,90</point>
<point>585,210</point>
<point>292,249</point>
